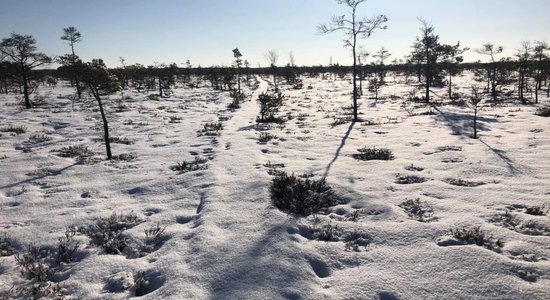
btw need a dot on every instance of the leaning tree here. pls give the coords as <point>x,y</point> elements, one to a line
<point>100,82</point>
<point>354,28</point>
<point>21,51</point>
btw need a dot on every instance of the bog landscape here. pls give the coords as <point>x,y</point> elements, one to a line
<point>425,177</point>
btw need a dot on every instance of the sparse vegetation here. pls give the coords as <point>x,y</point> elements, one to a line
<point>537,210</point>
<point>462,182</point>
<point>153,235</point>
<point>67,247</point>
<point>185,166</point>
<point>14,129</point>
<point>79,151</point>
<point>269,106</point>
<point>418,210</point>
<point>265,137</point>
<point>373,154</point>
<point>211,129</point>
<point>292,194</point>
<point>543,111</point>
<point>8,246</point>
<point>108,232</point>
<point>409,179</point>
<point>475,235</point>
<point>412,167</point>
<point>327,232</point>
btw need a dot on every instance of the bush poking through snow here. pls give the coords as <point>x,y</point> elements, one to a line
<point>238,97</point>
<point>118,140</point>
<point>409,179</point>
<point>292,194</point>
<point>211,129</point>
<point>418,210</point>
<point>327,233</point>
<point>32,265</point>
<point>79,151</point>
<point>412,167</point>
<point>373,154</point>
<point>269,106</point>
<point>141,284</point>
<point>8,246</point>
<point>448,148</point>
<point>536,210</point>
<point>186,166</point>
<point>67,247</point>
<point>265,137</point>
<point>14,129</point>
<point>153,235</point>
<point>356,240</point>
<point>108,232</point>
<point>461,182</point>
<point>476,236</point>
<point>39,138</point>
<point>543,111</point>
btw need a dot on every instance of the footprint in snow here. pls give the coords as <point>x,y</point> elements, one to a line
<point>319,268</point>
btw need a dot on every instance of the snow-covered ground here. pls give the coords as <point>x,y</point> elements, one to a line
<point>223,237</point>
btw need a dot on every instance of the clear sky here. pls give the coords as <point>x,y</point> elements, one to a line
<point>205,31</point>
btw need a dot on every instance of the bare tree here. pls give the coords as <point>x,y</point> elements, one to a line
<point>354,28</point>
<point>272,57</point>
<point>492,50</point>
<point>21,51</point>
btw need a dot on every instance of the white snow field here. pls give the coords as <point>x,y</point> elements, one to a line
<point>224,239</point>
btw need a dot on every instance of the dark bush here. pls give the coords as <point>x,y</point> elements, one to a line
<point>186,166</point>
<point>108,232</point>
<point>292,194</point>
<point>543,111</point>
<point>373,154</point>
<point>409,179</point>
<point>476,236</point>
<point>269,106</point>
<point>419,210</point>
<point>14,129</point>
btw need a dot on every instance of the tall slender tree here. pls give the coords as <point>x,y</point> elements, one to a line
<point>491,50</point>
<point>354,28</point>
<point>524,55</point>
<point>272,57</point>
<point>21,51</point>
<point>238,63</point>
<point>540,57</point>
<point>73,36</point>
<point>100,82</point>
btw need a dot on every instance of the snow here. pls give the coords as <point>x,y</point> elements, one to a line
<point>225,240</point>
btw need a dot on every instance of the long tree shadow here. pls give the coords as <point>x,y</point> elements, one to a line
<point>337,154</point>
<point>462,124</point>
<point>53,173</point>
<point>259,269</point>
<point>502,155</point>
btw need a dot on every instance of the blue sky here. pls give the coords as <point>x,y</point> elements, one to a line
<point>205,31</point>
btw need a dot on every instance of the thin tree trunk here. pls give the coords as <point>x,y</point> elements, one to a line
<point>450,85</point>
<point>475,124</point>
<point>105,123</point>
<point>26,91</point>
<point>354,74</point>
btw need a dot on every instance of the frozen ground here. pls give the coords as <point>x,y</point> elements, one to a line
<point>225,240</point>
